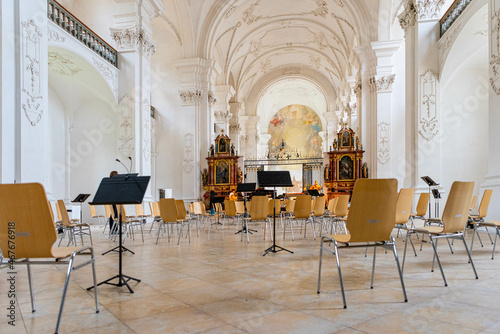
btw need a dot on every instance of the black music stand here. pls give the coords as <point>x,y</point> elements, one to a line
<point>245,188</point>
<point>274,179</point>
<point>117,190</point>
<point>313,192</point>
<point>80,199</point>
<point>431,183</point>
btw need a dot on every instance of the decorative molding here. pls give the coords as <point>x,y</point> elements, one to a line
<point>62,65</point>
<point>290,70</point>
<point>408,17</point>
<point>445,43</point>
<point>428,112</point>
<point>357,89</point>
<point>190,98</point>
<point>234,129</point>
<point>146,136</point>
<point>134,39</point>
<point>429,9</point>
<point>222,116</point>
<point>187,164</point>
<point>322,9</point>
<point>107,73</point>
<point>211,99</point>
<point>30,64</point>
<point>248,16</point>
<point>381,84</point>
<point>495,51</point>
<point>126,131</point>
<point>55,36</point>
<point>383,150</point>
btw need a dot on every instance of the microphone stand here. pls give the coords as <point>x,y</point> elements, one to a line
<point>128,171</point>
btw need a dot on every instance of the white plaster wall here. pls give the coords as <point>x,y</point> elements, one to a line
<point>56,148</point>
<point>165,85</point>
<point>464,110</point>
<point>398,116</point>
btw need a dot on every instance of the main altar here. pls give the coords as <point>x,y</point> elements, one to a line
<point>345,163</point>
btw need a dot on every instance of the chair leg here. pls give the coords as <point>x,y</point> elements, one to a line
<point>436,256</point>
<point>495,243</point>
<point>470,257</point>
<point>320,263</point>
<point>408,237</point>
<point>474,232</point>
<point>158,235</point>
<point>65,289</point>
<point>340,273</point>
<point>32,291</point>
<point>451,248</point>
<point>400,271</point>
<point>373,265</point>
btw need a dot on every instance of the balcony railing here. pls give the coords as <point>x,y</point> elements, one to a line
<point>452,14</point>
<point>63,18</point>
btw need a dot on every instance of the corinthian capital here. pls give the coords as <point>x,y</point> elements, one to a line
<point>409,15</point>
<point>429,9</point>
<point>133,39</point>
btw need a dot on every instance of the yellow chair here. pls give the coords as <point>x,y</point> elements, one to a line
<point>26,223</point>
<point>94,214</point>
<point>74,229</point>
<point>318,213</point>
<point>289,211</point>
<point>183,219</point>
<point>422,205</point>
<point>370,223</point>
<point>453,222</point>
<point>259,211</point>
<point>339,216</point>
<point>168,214</point>
<point>403,209</point>
<point>302,212</point>
<point>478,221</point>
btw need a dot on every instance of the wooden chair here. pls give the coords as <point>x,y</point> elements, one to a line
<point>422,206</point>
<point>339,216</point>
<point>403,209</point>
<point>168,214</point>
<point>155,209</point>
<point>131,221</point>
<point>318,213</point>
<point>94,215</point>
<point>370,223</point>
<point>453,222</point>
<point>288,215</point>
<point>259,211</point>
<point>74,229</point>
<point>302,212</point>
<point>182,218</point>
<point>477,221</point>
<point>230,210</point>
<point>27,236</point>
<point>473,203</point>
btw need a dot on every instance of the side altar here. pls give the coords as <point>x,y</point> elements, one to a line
<point>345,163</point>
<point>223,173</point>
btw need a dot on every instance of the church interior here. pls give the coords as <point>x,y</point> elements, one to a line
<point>364,105</point>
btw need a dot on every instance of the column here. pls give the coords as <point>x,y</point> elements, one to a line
<point>132,35</point>
<point>221,108</point>
<point>24,91</point>
<point>492,180</point>
<point>420,22</point>
<point>198,99</point>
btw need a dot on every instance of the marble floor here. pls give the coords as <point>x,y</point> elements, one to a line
<point>218,284</point>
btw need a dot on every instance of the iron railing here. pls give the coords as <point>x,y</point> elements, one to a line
<point>63,18</point>
<point>452,14</point>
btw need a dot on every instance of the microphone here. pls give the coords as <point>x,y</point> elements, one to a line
<point>123,165</point>
<point>130,163</point>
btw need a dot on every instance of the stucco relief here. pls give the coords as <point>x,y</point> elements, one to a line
<point>381,84</point>
<point>190,98</point>
<point>126,131</point>
<point>428,114</point>
<point>134,39</point>
<point>429,9</point>
<point>445,43</point>
<point>383,149</point>
<point>408,17</point>
<point>62,65</point>
<point>188,153</point>
<point>30,62</point>
<point>234,129</point>
<point>55,36</point>
<point>108,74</point>
<point>495,52</point>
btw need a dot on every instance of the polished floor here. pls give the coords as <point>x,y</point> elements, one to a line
<point>218,284</point>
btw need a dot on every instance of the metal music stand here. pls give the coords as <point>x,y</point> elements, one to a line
<point>431,183</point>
<point>80,199</point>
<point>274,179</point>
<point>117,190</point>
<point>245,188</point>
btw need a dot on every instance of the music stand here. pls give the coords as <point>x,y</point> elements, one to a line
<point>117,190</point>
<point>80,199</point>
<point>274,179</point>
<point>431,183</point>
<point>245,188</point>
<point>313,192</point>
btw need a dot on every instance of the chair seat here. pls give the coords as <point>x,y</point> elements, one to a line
<point>437,220</point>
<point>490,223</point>
<point>343,238</point>
<point>63,252</point>
<point>430,229</point>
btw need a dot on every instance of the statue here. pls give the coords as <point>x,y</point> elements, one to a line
<point>358,146</point>
<point>240,175</point>
<point>327,173</point>
<point>232,149</point>
<point>204,177</point>
<point>364,170</point>
<point>212,150</point>
<point>335,144</point>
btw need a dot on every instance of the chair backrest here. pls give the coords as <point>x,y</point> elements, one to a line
<point>240,207</point>
<point>109,211</point>
<point>51,212</point>
<point>373,210</point>
<point>24,210</point>
<point>473,203</point>
<point>485,203</point>
<point>272,207</point>
<point>156,209</point>
<point>290,205</point>
<point>302,207</point>
<point>59,214</point>
<point>123,211</point>
<point>93,213</point>
<point>181,209</point>
<point>139,210</point>
<point>342,206</point>
<point>319,206</point>
<point>456,210</point>
<point>260,208</point>
<point>168,210</point>
<point>64,213</point>
<point>249,206</point>
<point>403,205</point>
<point>197,208</point>
<point>230,208</point>
<point>422,204</point>
<point>331,205</point>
